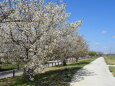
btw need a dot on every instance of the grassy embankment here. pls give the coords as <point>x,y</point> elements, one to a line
<point>53,76</point>
<point>111,61</point>
<point>9,67</point>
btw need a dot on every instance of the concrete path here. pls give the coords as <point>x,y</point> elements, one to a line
<point>111,65</point>
<point>9,73</point>
<point>94,74</point>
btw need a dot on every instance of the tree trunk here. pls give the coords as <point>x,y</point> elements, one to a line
<point>18,65</point>
<point>28,74</point>
<point>77,59</point>
<point>27,53</point>
<point>64,62</point>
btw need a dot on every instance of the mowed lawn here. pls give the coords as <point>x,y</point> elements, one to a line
<point>110,60</point>
<point>53,76</point>
<point>9,67</point>
<point>112,69</point>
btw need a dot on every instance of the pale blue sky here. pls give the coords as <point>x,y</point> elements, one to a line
<point>98,25</point>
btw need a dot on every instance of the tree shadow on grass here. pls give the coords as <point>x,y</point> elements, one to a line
<point>2,70</point>
<point>56,78</point>
<point>83,63</point>
<point>60,77</point>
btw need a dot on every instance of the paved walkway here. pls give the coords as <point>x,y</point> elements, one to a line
<point>94,74</point>
<point>111,65</point>
<point>9,73</point>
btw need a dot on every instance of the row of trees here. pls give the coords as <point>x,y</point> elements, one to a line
<point>94,53</point>
<point>33,32</point>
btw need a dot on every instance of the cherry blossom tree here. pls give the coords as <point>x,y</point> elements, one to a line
<point>38,31</point>
<point>81,47</point>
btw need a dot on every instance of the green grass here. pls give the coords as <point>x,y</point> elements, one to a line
<point>53,76</point>
<point>9,67</point>
<point>112,69</point>
<point>110,60</point>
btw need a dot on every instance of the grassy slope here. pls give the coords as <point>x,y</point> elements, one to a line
<point>53,76</point>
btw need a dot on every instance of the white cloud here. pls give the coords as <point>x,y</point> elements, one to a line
<point>104,32</point>
<point>97,43</point>
<point>113,37</point>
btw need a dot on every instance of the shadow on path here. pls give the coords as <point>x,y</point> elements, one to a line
<point>79,75</point>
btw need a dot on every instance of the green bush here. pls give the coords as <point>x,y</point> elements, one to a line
<point>92,53</point>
